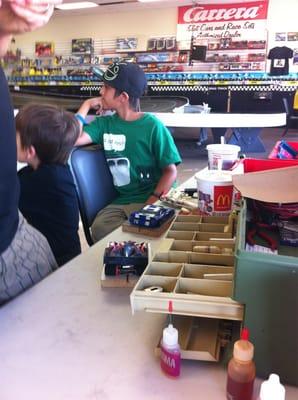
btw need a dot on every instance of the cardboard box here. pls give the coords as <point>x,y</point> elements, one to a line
<point>268,180</point>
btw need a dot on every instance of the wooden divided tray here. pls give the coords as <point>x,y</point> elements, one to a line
<point>196,275</point>
<point>191,290</point>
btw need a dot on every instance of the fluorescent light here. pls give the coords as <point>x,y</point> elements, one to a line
<point>76,6</point>
<point>147,1</point>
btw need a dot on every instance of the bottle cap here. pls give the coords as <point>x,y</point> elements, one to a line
<point>272,389</point>
<point>243,350</point>
<point>170,336</point>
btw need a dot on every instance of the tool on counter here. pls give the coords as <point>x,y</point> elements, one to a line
<point>180,199</point>
<point>191,192</point>
<point>180,203</point>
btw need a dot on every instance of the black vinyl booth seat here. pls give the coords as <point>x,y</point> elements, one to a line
<point>94,183</point>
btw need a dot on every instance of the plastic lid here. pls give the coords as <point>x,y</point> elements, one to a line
<point>223,148</point>
<point>214,175</point>
<point>170,336</point>
<point>272,389</point>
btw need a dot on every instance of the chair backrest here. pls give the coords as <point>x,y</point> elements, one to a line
<point>94,183</point>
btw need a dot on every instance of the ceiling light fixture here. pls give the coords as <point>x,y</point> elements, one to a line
<point>147,1</point>
<point>76,6</point>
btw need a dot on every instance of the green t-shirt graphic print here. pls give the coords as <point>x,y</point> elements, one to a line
<point>136,152</point>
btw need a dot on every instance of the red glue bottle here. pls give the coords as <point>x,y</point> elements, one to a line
<point>170,357</point>
<point>241,369</point>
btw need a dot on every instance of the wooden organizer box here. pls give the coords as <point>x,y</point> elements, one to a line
<point>199,284</point>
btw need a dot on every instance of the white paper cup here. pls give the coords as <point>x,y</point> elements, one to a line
<point>228,153</point>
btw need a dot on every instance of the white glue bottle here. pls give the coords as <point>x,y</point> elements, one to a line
<point>272,389</point>
<point>170,357</point>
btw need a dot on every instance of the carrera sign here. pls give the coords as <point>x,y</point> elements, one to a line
<point>216,21</point>
<point>225,12</point>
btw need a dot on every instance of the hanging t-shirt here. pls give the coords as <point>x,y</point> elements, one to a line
<point>198,52</point>
<point>136,152</point>
<point>279,57</point>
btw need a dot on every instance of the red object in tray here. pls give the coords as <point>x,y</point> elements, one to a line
<point>254,165</point>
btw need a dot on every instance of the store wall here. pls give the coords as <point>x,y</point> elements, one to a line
<point>142,23</point>
<point>282,17</point>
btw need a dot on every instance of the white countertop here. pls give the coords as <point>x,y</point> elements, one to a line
<point>221,120</point>
<point>69,339</point>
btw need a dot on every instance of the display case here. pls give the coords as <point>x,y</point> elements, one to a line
<point>231,55</point>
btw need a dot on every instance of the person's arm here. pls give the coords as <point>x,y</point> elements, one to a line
<point>83,139</point>
<point>94,103</point>
<point>164,184</point>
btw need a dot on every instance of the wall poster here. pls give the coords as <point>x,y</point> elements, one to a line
<point>293,36</point>
<point>44,49</point>
<point>84,46</point>
<point>128,43</point>
<point>280,36</point>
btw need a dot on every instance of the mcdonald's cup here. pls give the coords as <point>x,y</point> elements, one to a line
<point>215,192</point>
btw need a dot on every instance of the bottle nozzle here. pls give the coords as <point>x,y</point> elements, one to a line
<point>245,334</point>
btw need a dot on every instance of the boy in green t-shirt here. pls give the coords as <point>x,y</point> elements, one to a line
<point>139,149</point>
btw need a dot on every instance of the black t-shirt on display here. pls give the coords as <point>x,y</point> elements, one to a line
<point>198,52</point>
<point>279,57</point>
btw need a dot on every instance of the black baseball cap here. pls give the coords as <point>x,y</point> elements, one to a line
<point>126,77</point>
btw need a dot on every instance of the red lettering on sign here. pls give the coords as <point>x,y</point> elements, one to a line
<point>221,13</point>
